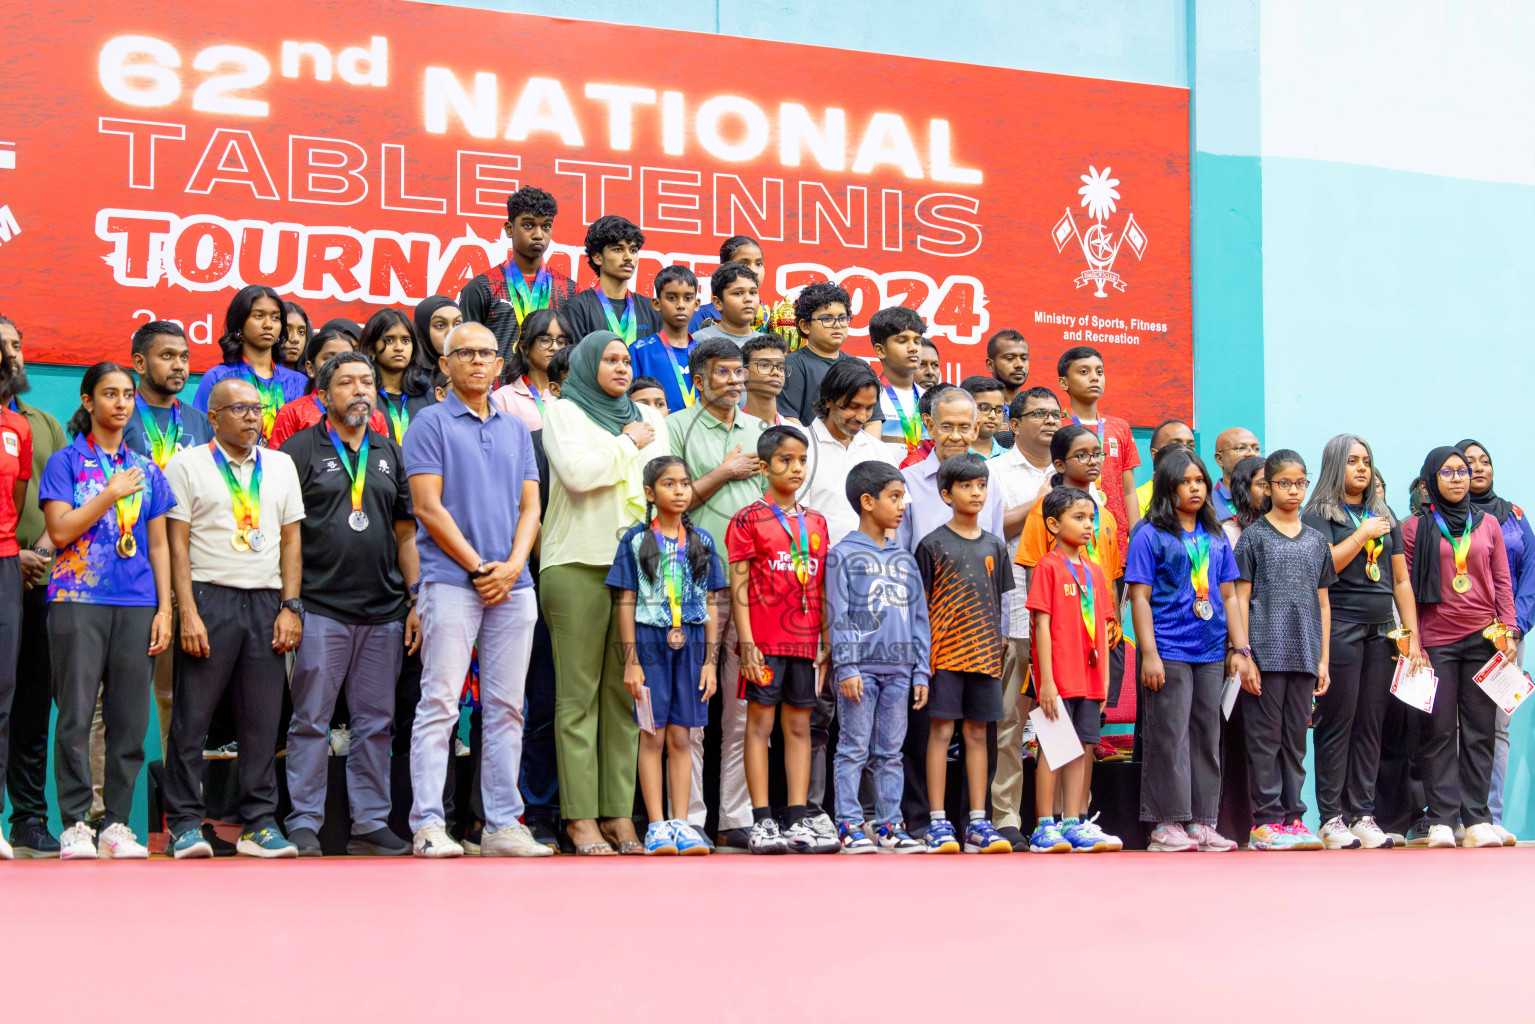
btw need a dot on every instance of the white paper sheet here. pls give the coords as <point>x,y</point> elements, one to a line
<point>644,713</point>
<point>1057,738</point>
<point>1229,693</point>
<point>1501,680</point>
<point>1415,689</point>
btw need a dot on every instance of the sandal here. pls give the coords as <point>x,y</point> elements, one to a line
<point>627,847</point>
<point>595,850</point>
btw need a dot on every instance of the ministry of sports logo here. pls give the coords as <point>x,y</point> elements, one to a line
<point>1099,244</point>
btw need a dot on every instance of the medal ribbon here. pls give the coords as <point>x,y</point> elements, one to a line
<point>1372,547</point>
<point>1461,547</point>
<point>162,443</point>
<point>1102,444</point>
<point>398,415</point>
<point>1085,596</point>
<point>911,429</point>
<point>624,326</point>
<point>684,382</point>
<point>525,299</point>
<point>1199,562</point>
<point>671,568</point>
<point>798,553</point>
<point>127,508</point>
<point>358,476</point>
<point>270,390</point>
<point>246,500</point>
<point>538,399</point>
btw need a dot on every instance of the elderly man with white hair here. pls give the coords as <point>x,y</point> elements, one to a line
<point>950,419</point>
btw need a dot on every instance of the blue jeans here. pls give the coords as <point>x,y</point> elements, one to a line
<point>873,730</point>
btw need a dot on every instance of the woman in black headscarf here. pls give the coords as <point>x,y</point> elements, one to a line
<point>1461,583</point>
<point>435,316</point>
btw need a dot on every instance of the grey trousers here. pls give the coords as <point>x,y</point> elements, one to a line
<point>1181,744</point>
<point>366,660</point>
<point>1276,722</point>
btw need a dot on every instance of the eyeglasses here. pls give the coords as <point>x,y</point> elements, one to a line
<point>1042,415</point>
<point>1251,447</point>
<point>1291,485</point>
<point>241,410</point>
<point>1087,458</point>
<point>833,321</point>
<point>769,368</point>
<point>551,341</point>
<point>724,374</point>
<point>987,409</point>
<point>1455,474</point>
<point>474,355</point>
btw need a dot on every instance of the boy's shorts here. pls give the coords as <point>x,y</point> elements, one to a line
<point>972,696</point>
<point>1085,716</point>
<point>672,676</point>
<point>793,683</point>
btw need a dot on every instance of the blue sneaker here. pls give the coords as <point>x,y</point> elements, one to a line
<point>689,842</point>
<point>266,843</point>
<point>1047,838</point>
<point>660,839</point>
<point>893,838</point>
<point>940,838</point>
<point>855,839</point>
<point>1271,837</point>
<point>1084,838</point>
<point>980,837</point>
<point>190,844</point>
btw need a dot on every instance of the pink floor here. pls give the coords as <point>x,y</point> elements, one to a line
<point>1205,937</point>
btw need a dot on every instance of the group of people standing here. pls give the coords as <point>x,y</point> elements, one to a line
<point>605,521</point>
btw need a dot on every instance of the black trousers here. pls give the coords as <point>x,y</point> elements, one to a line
<point>242,661</point>
<point>1349,718</point>
<point>26,777</point>
<point>1456,783</point>
<point>540,778</point>
<point>10,645</point>
<point>1275,723</point>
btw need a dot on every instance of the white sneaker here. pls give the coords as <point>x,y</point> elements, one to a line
<point>77,843</point>
<point>1370,836</point>
<point>1440,837</point>
<point>341,741</point>
<point>433,841</point>
<point>6,853</point>
<point>1481,835</point>
<point>801,838</point>
<point>1509,839</point>
<point>826,831</point>
<point>460,748</point>
<point>765,838</point>
<point>513,841</point>
<point>1338,836</point>
<point>119,843</point>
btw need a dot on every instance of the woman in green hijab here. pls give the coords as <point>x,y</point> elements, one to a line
<point>598,442</point>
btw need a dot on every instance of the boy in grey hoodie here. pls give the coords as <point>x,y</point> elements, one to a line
<point>880,647</point>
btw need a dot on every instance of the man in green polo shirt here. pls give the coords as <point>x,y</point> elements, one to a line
<point>718,441</point>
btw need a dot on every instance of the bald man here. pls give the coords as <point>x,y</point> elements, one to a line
<point>1168,434</point>
<point>1232,446</point>
<point>237,568</point>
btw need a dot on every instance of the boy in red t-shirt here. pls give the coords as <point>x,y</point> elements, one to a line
<point>777,551</point>
<point>1070,600</point>
<point>1082,378</point>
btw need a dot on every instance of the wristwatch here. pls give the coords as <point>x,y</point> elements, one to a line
<point>1246,652</point>
<point>294,605</point>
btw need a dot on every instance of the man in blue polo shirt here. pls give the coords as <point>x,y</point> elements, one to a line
<point>474,485</point>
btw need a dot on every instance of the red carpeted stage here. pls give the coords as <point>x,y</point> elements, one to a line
<point>1408,933</point>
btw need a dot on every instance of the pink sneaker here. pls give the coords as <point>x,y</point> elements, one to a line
<point>1304,839</point>
<point>1208,840</point>
<point>1169,837</point>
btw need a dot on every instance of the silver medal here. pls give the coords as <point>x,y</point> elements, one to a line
<point>255,539</point>
<point>358,520</point>
<point>1204,609</point>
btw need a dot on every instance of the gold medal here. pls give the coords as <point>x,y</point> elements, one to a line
<point>1461,583</point>
<point>238,542</point>
<point>127,547</point>
<point>1373,571</point>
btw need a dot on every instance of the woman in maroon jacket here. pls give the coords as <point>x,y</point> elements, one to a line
<point>1461,581</point>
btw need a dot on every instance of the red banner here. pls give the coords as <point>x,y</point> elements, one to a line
<point>157,156</point>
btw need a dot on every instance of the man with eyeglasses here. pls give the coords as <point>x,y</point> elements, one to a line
<point>237,570</point>
<point>1168,435</point>
<point>474,487</point>
<point>1232,446</point>
<point>767,369</point>
<point>822,311</point>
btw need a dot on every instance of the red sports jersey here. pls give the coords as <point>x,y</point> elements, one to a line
<point>785,615</point>
<point>15,464</point>
<point>1055,590</point>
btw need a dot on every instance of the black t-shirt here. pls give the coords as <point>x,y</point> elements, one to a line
<point>389,402</point>
<point>965,581</point>
<point>350,576</point>
<point>586,313</point>
<point>802,388</point>
<point>479,305</point>
<point>1355,597</point>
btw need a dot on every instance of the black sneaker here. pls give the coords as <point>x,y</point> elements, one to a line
<point>381,842</point>
<point>1016,837</point>
<point>734,839</point>
<point>32,840</point>
<point>221,847</point>
<point>307,841</point>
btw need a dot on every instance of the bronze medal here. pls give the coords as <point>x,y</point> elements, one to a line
<point>1372,570</point>
<point>238,542</point>
<point>676,638</point>
<point>1461,583</point>
<point>127,547</point>
<point>1092,657</point>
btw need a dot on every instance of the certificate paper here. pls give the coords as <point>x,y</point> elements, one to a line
<point>1416,689</point>
<point>1229,695</point>
<point>1502,680</point>
<point>1057,738</point>
<point>643,713</point>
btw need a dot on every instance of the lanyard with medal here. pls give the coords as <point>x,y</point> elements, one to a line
<point>624,326</point>
<point>1372,547</point>
<point>911,427</point>
<point>162,443</point>
<point>245,499</point>
<point>538,399</point>
<point>684,382</point>
<point>127,507</point>
<point>671,576</point>
<point>1199,570</point>
<point>399,416</point>
<point>525,300</point>
<point>270,390</point>
<point>358,520</point>
<point>799,551</point>
<point>1462,550</point>
<point>1089,611</point>
<point>1098,427</point>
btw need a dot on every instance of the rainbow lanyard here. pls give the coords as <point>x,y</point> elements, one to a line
<point>684,382</point>
<point>526,299</point>
<point>538,399</point>
<point>1373,546</point>
<point>1092,542</point>
<point>246,500</point>
<point>162,443</point>
<point>911,428</point>
<point>399,416</point>
<point>1085,596</point>
<point>798,553</point>
<point>1461,547</point>
<point>359,475</point>
<point>624,326</point>
<point>128,507</point>
<point>671,567</point>
<point>1199,562</point>
<point>318,405</point>
<point>1102,443</point>
<point>270,390</point>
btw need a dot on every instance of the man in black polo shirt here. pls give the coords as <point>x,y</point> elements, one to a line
<point>359,540</point>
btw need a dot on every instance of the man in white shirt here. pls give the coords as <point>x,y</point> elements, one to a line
<point>838,442</point>
<point>1020,476</point>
